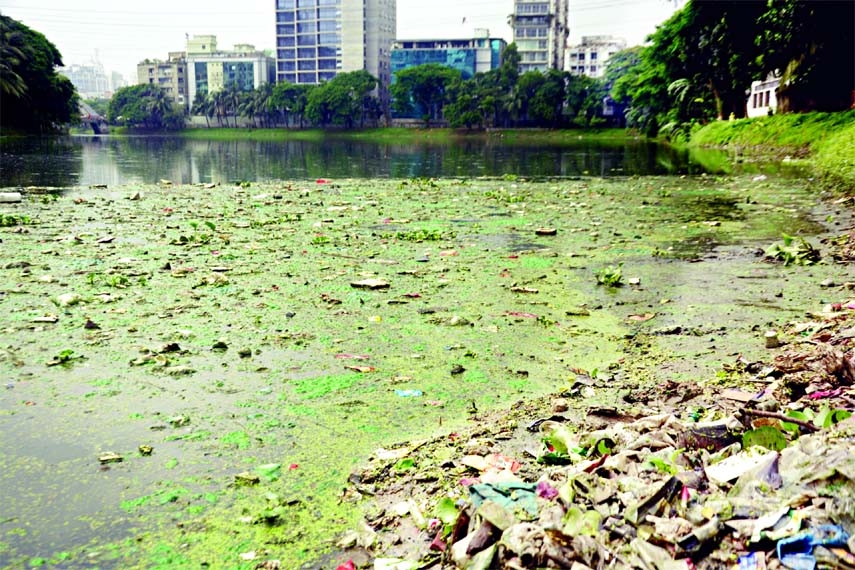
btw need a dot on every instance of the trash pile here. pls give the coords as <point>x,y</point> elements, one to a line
<point>766,480</point>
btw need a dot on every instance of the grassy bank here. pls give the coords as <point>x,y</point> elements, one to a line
<point>409,136</point>
<point>828,139</point>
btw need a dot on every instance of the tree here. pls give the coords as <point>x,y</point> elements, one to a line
<point>584,100</point>
<point>812,45</point>
<point>290,100</point>
<point>203,104</point>
<point>144,106</point>
<point>33,97</point>
<point>342,100</point>
<point>547,105</point>
<point>423,88</point>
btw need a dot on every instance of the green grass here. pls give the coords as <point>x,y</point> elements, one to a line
<point>414,135</point>
<point>828,139</point>
<point>794,131</point>
<point>835,159</point>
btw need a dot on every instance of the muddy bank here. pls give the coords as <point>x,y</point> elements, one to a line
<point>192,372</point>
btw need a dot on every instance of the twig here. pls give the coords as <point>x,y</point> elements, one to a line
<point>761,414</point>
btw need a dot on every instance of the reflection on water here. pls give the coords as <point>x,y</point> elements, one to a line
<point>86,160</point>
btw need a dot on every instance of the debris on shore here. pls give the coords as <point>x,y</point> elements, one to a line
<point>759,474</point>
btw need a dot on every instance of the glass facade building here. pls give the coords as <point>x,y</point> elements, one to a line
<point>317,39</point>
<point>469,56</point>
<point>210,69</point>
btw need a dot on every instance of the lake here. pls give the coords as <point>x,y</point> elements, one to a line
<point>206,332</point>
<point>85,160</point>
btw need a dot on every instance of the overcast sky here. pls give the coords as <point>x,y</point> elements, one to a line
<point>123,33</point>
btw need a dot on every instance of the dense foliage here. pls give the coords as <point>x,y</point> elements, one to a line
<point>33,97</point>
<point>144,106</point>
<point>700,63</point>
<point>423,87</point>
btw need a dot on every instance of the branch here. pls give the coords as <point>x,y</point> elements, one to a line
<point>809,427</point>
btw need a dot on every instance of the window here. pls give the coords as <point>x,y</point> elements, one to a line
<point>309,40</point>
<point>307,27</point>
<point>307,77</point>
<point>285,4</point>
<point>285,30</point>
<point>306,53</point>
<point>593,56</point>
<point>767,97</point>
<point>287,41</point>
<point>285,16</point>
<point>306,3</point>
<point>306,65</point>
<point>328,13</point>
<point>286,54</point>
<point>326,64</point>
<point>329,39</point>
<point>754,101</point>
<point>326,75</point>
<point>308,14</point>
<point>325,51</point>
<point>328,25</point>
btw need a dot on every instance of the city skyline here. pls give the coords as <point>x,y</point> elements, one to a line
<point>122,35</point>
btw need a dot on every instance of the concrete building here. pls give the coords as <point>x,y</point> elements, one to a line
<point>540,33</point>
<point>316,39</point>
<point>470,56</point>
<point>89,80</point>
<point>210,69</point>
<point>169,75</point>
<point>117,81</point>
<point>591,55</point>
<point>763,97</point>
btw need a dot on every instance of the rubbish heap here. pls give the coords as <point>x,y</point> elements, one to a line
<point>770,484</point>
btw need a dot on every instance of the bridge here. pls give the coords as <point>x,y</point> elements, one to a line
<point>97,122</point>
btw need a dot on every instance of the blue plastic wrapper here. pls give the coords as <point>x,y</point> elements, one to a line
<point>748,561</point>
<point>796,552</point>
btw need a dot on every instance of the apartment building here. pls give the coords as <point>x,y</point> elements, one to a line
<point>169,75</point>
<point>540,33</point>
<point>317,39</point>
<point>210,69</point>
<point>591,55</point>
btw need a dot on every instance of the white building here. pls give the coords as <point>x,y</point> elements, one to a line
<point>210,69</point>
<point>317,39</point>
<point>540,33</point>
<point>89,80</point>
<point>591,55</point>
<point>763,96</point>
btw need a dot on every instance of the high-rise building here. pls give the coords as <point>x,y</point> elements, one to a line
<point>317,39</point>
<point>540,33</point>
<point>89,80</point>
<point>592,54</point>
<point>210,69</point>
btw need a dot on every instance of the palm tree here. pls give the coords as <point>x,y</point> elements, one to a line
<point>12,55</point>
<point>203,105</point>
<point>158,107</point>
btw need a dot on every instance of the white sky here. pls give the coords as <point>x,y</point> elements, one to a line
<point>124,33</point>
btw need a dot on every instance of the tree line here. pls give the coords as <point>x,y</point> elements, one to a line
<point>696,67</point>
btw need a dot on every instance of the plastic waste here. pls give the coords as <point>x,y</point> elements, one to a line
<point>796,552</point>
<point>10,197</point>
